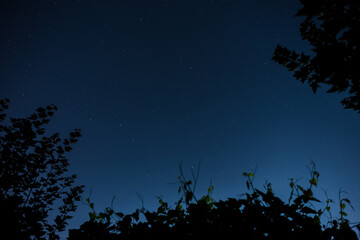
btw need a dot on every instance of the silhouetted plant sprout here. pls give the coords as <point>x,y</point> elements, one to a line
<point>256,214</point>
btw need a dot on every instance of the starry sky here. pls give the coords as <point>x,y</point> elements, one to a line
<point>155,83</point>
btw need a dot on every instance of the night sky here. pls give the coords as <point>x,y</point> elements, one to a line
<point>155,83</point>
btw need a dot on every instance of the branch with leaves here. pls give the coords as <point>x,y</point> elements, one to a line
<point>33,176</point>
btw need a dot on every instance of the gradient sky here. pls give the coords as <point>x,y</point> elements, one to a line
<point>155,83</point>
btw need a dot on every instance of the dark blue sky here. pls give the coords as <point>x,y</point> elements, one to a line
<point>153,83</point>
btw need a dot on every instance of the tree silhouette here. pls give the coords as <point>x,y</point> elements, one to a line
<point>33,176</point>
<point>255,215</point>
<point>332,28</point>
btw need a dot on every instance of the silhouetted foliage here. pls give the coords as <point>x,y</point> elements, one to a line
<point>33,176</point>
<point>256,214</point>
<point>332,28</point>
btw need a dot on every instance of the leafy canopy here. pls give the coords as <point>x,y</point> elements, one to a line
<point>33,176</point>
<point>332,29</point>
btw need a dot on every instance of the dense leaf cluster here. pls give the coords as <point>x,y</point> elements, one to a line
<point>255,215</point>
<point>332,28</point>
<point>33,176</point>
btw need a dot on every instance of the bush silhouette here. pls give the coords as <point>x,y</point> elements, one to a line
<point>32,176</point>
<point>256,215</point>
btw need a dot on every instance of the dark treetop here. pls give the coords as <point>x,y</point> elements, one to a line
<point>332,28</point>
